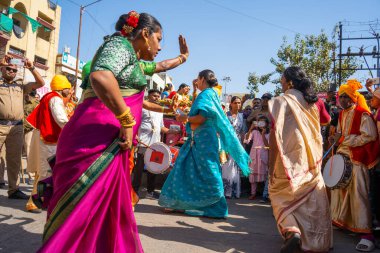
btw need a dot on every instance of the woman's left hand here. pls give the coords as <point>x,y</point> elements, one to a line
<point>183,46</point>
<point>181,118</point>
<point>126,134</point>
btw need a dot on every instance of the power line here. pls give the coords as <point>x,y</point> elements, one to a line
<point>360,23</point>
<point>96,22</point>
<point>73,2</point>
<point>251,17</point>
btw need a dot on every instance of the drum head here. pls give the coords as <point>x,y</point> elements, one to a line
<point>333,170</point>
<point>157,159</point>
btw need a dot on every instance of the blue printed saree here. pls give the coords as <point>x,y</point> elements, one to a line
<point>195,183</point>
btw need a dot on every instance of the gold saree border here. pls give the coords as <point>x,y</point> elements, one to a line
<point>75,193</point>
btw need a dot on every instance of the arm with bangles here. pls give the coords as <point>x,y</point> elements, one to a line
<point>175,62</point>
<point>107,89</point>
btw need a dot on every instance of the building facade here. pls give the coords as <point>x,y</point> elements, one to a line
<point>30,29</point>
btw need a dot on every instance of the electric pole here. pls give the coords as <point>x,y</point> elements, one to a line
<point>81,11</point>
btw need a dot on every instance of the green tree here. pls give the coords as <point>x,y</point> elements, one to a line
<point>313,53</point>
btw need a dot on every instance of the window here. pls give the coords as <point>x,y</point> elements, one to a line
<point>43,33</point>
<point>52,5</point>
<point>40,60</point>
<point>16,51</point>
<point>17,29</point>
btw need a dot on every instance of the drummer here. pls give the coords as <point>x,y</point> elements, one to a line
<point>350,207</point>
<point>152,125</point>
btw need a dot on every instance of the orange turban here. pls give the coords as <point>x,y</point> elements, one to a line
<point>60,82</point>
<point>351,89</point>
<point>218,89</point>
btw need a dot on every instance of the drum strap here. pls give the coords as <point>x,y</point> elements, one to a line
<point>332,161</point>
<point>151,121</point>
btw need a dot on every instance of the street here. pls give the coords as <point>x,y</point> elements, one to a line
<point>250,228</point>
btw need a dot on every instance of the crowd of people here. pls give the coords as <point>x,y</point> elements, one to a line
<point>83,178</point>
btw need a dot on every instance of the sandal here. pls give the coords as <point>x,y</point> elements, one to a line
<point>32,208</point>
<point>365,245</point>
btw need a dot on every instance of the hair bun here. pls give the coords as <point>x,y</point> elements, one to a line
<point>213,81</point>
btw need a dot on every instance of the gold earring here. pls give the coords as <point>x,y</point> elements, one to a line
<point>147,43</point>
<point>290,86</point>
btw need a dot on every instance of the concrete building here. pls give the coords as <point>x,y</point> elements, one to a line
<point>30,29</point>
<point>158,81</point>
<point>65,65</point>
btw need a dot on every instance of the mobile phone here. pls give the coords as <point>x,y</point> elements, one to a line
<point>376,80</point>
<point>180,112</point>
<point>18,62</point>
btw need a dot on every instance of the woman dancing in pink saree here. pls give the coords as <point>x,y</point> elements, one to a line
<point>90,210</point>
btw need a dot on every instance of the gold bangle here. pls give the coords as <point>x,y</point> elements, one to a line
<point>185,56</point>
<point>127,111</point>
<point>126,119</point>
<point>129,125</point>
<point>180,60</point>
<point>163,109</point>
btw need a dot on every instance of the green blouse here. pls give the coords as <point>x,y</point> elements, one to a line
<point>117,55</point>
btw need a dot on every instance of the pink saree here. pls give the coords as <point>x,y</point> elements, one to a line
<point>90,210</point>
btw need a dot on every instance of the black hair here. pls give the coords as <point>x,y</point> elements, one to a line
<point>259,99</point>
<point>209,76</point>
<point>154,91</point>
<point>301,82</point>
<point>33,93</point>
<point>168,86</point>
<point>145,21</point>
<point>233,100</point>
<point>183,85</point>
<point>263,117</point>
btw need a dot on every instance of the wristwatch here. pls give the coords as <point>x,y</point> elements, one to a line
<point>32,68</point>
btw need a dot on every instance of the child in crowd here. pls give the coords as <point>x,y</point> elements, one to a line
<point>259,154</point>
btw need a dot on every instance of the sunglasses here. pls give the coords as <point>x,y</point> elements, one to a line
<point>11,69</point>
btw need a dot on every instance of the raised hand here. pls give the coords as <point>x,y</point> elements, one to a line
<point>183,45</point>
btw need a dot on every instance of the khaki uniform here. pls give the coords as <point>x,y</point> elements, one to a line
<point>11,127</point>
<point>28,129</point>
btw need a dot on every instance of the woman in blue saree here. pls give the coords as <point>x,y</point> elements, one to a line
<point>195,184</point>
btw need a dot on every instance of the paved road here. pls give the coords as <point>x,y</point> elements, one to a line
<point>249,228</point>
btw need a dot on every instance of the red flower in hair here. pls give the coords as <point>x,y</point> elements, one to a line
<point>132,21</point>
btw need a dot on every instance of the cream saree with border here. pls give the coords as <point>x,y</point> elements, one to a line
<point>296,187</point>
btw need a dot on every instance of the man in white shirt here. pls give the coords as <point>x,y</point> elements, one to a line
<point>152,125</point>
<point>49,117</point>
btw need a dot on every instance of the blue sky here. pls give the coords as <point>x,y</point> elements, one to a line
<point>223,35</point>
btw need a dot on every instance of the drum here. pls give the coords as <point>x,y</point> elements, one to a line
<point>337,172</point>
<point>159,157</point>
<point>175,152</point>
